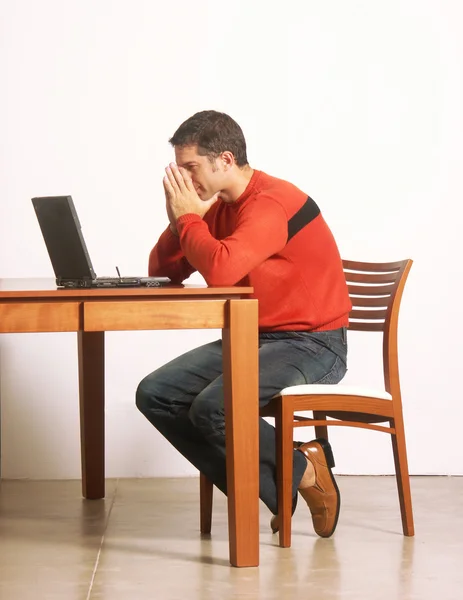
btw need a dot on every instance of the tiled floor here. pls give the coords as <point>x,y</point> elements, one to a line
<point>143,542</point>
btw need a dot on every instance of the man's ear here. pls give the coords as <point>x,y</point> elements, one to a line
<point>228,159</point>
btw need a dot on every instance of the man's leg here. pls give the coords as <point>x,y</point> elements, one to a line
<point>165,397</point>
<point>184,400</point>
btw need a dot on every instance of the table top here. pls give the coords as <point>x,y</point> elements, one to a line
<point>17,288</point>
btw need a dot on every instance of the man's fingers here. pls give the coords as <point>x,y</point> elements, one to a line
<point>178,176</point>
<point>187,179</point>
<point>172,180</point>
<point>167,186</point>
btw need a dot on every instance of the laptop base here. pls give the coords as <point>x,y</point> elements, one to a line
<point>112,282</point>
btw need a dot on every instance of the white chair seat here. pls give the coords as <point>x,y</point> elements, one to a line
<point>335,389</point>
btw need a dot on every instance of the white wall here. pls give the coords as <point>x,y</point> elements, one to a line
<point>358,103</point>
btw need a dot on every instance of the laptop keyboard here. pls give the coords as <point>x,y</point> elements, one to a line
<point>118,279</point>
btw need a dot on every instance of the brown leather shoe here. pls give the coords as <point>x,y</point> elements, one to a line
<point>323,498</point>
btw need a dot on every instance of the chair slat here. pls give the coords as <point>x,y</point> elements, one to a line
<point>370,277</point>
<point>370,301</point>
<point>362,326</point>
<point>317,423</point>
<point>373,267</point>
<point>370,290</point>
<point>368,314</point>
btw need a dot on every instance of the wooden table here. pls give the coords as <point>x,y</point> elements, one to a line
<point>28,305</point>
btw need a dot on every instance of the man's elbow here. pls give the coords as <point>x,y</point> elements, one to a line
<point>221,279</point>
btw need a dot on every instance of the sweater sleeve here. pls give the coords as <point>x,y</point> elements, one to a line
<point>261,231</point>
<point>167,259</point>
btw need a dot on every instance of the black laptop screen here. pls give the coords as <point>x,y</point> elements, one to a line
<point>63,237</point>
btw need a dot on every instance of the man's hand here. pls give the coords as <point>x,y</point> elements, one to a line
<point>172,220</point>
<point>181,196</point>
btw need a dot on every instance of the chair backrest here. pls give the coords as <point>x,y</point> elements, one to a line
<point>375,290</point>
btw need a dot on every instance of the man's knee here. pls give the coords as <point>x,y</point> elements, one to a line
<point>207,415</point>
<point>150,393</point>
<point>157,394</point>
<point>143,397</point>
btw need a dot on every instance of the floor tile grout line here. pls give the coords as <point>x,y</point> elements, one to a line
<point>97,561</point>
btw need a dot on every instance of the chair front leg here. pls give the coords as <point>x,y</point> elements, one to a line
<point>284,449</point>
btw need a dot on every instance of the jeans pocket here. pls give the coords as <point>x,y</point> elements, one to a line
<point>335,375</point>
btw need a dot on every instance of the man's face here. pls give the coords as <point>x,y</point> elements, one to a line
<point>207,176</point>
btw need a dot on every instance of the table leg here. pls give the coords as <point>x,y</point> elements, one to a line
<point>91,394</point>
<point>240,364</point>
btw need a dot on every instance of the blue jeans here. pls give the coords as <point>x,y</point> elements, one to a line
<point>184,399</point>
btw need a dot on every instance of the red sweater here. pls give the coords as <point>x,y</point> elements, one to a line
<point>299,283</point>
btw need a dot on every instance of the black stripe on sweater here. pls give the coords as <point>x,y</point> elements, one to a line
<point>307,213</point>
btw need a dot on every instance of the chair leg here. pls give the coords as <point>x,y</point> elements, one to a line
<point>403,478</point>
<point>205,503</point>
<point>284,460</point>
<point>321,431</point>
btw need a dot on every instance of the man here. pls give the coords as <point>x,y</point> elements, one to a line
<point>239,226</point>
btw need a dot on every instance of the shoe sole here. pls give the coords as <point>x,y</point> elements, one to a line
<point>328,452</point>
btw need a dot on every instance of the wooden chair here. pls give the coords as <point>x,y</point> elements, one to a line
<point>376,291</point>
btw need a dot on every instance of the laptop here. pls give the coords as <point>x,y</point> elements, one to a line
<point>68,252</point>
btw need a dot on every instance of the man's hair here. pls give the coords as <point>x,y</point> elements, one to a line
<point>213,132</point>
